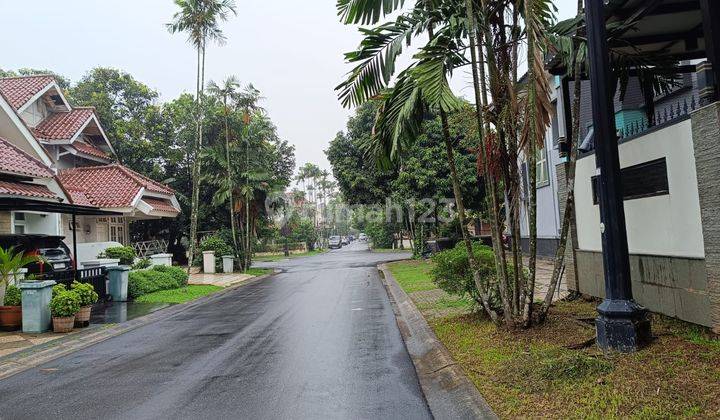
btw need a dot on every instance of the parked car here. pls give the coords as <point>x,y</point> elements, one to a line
<point>334,242</point>
<point>362,237</point>
<point>54,254</point>
<point>345,240</point>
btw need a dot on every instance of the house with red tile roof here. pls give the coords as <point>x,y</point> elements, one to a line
<point>67,157</point>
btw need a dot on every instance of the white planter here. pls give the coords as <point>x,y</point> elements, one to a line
<point>161,259</point>
<point>228,263</point>
<point>209,261</point>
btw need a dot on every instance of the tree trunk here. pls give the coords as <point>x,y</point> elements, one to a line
<point>195,166</point>
<point>570,185</point>
<point>233,227</point>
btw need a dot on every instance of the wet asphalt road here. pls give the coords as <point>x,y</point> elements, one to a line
<point>318,341</point>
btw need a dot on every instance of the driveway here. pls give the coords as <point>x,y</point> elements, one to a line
<point>316,341</point>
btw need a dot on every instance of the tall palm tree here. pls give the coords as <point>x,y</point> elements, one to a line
<point>227,92</point>
<point>200,20</point>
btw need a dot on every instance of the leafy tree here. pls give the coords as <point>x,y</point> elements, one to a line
<point>129,115</point>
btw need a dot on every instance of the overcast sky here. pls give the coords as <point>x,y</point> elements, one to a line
<point>291,50</point>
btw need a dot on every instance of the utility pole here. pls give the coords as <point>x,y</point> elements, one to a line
<point>622,324</point>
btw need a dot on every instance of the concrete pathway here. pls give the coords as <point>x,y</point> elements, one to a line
<point>222,280</point>
<point>14,341</point>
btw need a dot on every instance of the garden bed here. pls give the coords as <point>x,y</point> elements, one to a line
<point>678,375</point>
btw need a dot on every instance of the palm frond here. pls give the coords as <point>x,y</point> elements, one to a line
<point>366,12</point>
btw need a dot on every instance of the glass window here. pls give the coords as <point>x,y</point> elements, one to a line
<point>19,223</point>
<point>543,177</point>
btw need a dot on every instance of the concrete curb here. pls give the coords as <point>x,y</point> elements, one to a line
<point>34,356</point>
<point>449,393</point>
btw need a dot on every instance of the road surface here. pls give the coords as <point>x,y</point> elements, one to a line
<point>316,341</point>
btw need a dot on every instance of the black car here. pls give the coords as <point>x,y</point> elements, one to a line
<point>54,254</point>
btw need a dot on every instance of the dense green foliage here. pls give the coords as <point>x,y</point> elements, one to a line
<point>142,282</point>
<point>451,271</point>
<point>380,233</point>
<point>86,293</point>
<point>126,254</point>
<point>13,296</point>
<point>65,303</point>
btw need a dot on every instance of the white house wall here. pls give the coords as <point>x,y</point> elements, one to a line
<point>668,225</point>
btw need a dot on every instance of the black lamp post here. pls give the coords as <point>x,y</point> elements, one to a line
<point>622,324</point>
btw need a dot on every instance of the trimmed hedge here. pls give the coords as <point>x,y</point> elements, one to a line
<point>160,277</point>
<point>126,254</point>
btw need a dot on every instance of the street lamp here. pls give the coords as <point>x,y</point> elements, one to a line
<point>622,324</point>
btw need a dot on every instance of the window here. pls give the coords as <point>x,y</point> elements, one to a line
<point>541,167</point>
<point>117,230</point>
<point>19,223</point>
<point>648,179</point>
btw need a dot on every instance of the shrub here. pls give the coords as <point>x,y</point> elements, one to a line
<point>142,282</point>
<point>452,273</point>
<point>217,244</point>
<point>126,254</point>
<point>65,303</point>
<point>86,293</point>
<point>58,288</point>
<point>141,264</point>
<point>13,296</point>
<point>177,273</point>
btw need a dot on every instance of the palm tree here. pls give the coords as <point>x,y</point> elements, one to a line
<point>228,91</point>
<point>200,20</point>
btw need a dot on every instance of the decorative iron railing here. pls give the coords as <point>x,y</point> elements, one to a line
<point>144,249</point>
<point>667,115</point>
<point>97,276</point>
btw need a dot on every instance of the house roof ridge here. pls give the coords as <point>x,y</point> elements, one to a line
<point>29,76</point>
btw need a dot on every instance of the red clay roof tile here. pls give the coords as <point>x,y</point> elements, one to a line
<point>63,125</point>
<point>107,186</point>
<point>19,90</point>
<point>16,161</point>
<point>161,205</point>
<point>90,150</point>
<point>26,190</point>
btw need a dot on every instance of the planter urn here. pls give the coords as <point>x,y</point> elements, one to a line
<point>63,324</point>
<point>36,297</point>
<point>118,283</point>
<point>228,263</point>
<point>10,318</point>
<point>82,318</point>
<point>209,262</point>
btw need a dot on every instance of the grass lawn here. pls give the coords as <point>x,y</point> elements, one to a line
<point>181,295</point>
<point>281,256</point>
<point>390,250</point>
<point>535,374</point>
<point>254,271</point>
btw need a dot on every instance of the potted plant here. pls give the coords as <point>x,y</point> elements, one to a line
<point>88,296</point>
<point>63,307</point>
<point>10,264</point>
<point>11,311</point>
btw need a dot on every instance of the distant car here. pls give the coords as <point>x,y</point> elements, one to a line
<point>54,254</point>
<point>334,242</point>
<point>362,237</point>
<point>345,240</point>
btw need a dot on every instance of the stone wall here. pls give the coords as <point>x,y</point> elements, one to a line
<point>5,222</point>
<point>706,142</point>
<point>673,286</point>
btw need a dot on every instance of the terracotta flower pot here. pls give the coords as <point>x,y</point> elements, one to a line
<point>83,315</point>
<point>63,324</point>
<point>10,318</point>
